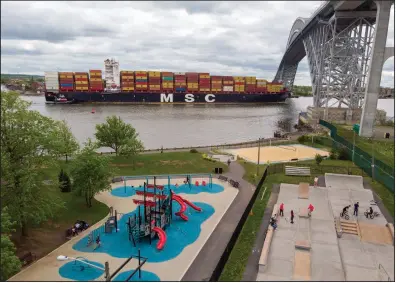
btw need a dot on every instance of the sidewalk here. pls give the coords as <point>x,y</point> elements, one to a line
<point>207,260</point>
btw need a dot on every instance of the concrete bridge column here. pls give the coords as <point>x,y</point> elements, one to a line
<point>375,69</point>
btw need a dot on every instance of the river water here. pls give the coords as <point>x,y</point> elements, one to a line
<point>186,125</point>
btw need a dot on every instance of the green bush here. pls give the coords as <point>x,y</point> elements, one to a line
<point>333,154</point>
<point>303,139</point>
<point>343,154</point>
<point>318,159</point>
<point>193,150</point>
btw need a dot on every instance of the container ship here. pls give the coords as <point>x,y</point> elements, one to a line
<point>140,87</point>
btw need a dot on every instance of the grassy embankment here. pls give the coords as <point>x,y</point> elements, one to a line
<point>383,149</point>
<point>50,235</point>
<point>235,267</point>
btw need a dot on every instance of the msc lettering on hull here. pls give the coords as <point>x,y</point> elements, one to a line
<point>189,97</point>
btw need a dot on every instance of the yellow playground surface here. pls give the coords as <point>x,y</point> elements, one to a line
<point>280,153</point>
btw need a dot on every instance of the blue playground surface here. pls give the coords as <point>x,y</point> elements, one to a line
<point>78,271</point>
<point>145,276</point>
<point>124,192</point>
<point>180,234</point>
<point>129,191</point>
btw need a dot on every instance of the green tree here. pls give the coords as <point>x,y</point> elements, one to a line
<point>64,182</point>
<point>119,136</point>
<point>91,173</point>
<point>68,143</point>
<point>10,263</point>
<point>28,142</point>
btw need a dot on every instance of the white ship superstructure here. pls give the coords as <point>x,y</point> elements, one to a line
<point>112,74</point>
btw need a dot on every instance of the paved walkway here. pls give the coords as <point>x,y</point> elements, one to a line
<point>251,269</point>
<point>205,263</point>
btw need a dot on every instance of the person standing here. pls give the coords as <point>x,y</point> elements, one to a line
<point>228,162</point>
<point>356,206</point>
<point>310,208</point>
<point>282,209</point>
<point>292,216</point>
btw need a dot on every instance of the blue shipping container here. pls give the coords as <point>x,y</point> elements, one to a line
<point>180,89</point>
<point>141,80</point>
<point>168,78</point>
<point>67,85</point>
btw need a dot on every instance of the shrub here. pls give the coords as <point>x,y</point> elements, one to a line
<point>318,159</point>
<point>193,150</point>
<point>343,154</point>
<point>334,154</point>
<point>64,182</point>
<point>303,139</point>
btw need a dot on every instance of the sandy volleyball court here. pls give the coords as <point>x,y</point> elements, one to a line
<point>276,154</point>
<point>47,268</point>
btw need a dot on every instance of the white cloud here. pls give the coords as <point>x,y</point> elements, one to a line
<point>231,38</point>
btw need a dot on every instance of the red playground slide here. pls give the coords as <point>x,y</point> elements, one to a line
<point>195,207</point>
<point>179,200</point>
<point>162,237</point>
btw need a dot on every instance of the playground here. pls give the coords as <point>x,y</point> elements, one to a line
<point>156,227</point>
<point>278,154</point>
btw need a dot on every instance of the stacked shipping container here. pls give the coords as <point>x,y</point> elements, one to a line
<point>167,81</point>
<point>81,81</point>
<point>66,81</point>
<point>96,82</point>
<point>238,84</point>
<point>250,84</point>
<point>274,87</point>
<point>192,81</point>
<point>141,80</point>
<point>228,84</point>
<point>155,81</point>
<point>127,80</point>
<point>51,81</point>
<point>204,82</point>
<point>216,83</point>
<point>261,85</point>
<point>180,82</point>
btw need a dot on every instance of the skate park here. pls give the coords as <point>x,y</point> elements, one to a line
<point>166,239</point>
<point>326,246</point>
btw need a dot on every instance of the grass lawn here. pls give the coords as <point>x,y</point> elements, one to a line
<point>50,235</point>
<point>383,149</point>
<point>235,266</point>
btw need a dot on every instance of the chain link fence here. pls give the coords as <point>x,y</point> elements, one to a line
<point>373,167</point>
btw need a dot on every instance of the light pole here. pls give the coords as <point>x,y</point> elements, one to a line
<point>259,153</point>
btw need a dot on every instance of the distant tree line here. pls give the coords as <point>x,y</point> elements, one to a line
<point>299,90</point>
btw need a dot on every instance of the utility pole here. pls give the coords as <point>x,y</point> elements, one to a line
<point>259,153</point>
<point>373,160</point>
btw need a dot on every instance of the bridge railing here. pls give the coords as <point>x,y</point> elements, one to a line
<point>382,172</point>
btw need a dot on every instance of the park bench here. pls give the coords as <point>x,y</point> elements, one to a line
<point>297,171</point>
<point>234,183</point>
<point>223,178</point>
<point>27,258</point>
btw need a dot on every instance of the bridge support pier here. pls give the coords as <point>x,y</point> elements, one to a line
<point>375,68</point>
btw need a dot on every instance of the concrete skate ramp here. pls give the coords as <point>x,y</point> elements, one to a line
<point>302,270</point>
<point>343,181</point>
<point>303,190</point>
<point>375,234</point>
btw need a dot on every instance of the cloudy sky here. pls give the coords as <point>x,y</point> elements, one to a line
<point>225,38</point>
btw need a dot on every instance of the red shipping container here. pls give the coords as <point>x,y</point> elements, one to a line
<point>141,83</point>
<point>238,83</point>
<point>205,80</point>
<point>95,71</point>
<point>205,74</point>
<point>81,79</point>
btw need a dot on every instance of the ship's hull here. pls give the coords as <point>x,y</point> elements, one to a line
<point>150,97</point>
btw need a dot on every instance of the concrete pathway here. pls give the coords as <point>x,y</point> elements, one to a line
<point>207,260</point>
<point>251,269</point>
